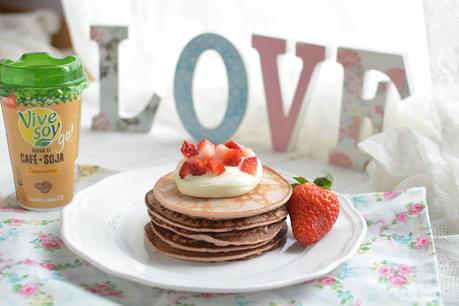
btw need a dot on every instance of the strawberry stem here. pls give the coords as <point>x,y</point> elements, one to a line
<point>325,181</point>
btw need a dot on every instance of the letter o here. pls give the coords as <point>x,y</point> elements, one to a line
<point>237,85</point>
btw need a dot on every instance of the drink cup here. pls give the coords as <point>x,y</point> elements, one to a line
<point>41,105</point>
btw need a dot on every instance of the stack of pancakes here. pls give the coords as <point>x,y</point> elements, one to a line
<point>223,229</point>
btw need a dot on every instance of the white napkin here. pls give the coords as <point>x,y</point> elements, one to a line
<point>404,158</point>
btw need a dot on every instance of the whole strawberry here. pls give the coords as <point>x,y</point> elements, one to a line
<point>313,208</point>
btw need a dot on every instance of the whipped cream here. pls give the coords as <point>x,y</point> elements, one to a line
<point>231,183</point>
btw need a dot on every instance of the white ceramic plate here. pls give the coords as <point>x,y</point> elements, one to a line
<point>104,225</point>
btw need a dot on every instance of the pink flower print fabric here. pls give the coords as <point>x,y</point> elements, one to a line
<point>395,264</point>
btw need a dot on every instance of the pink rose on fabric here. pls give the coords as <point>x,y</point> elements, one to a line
<point>42,236</point>
<point>390,195</point>
<point>404,269</point>
<point>105,290</point>
<point>339,158</point>
<point>415,208</point>
<point>50,244</point>
<point>29,262</point>
<point>16,210</point>
<point>356,303</point>
<point>422,242</point>
<point>16,221</point>
<point>48,266</point>
<point>377,227</point>
<point>102,289</point>
<point>403,216</point>
<point>384,270</point>
<point>28,289</point>
<point>327,281</point>
<point>397,280</point>
<point>207,295</point>
<point>116,293</point>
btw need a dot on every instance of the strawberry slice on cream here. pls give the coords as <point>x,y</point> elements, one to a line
<point>216,171</point>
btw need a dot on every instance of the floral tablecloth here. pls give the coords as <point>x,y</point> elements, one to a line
<point>396,264</point>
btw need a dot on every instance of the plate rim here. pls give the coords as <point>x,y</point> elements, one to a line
<point>66,237</point>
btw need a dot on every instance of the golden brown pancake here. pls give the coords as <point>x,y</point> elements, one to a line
<point>244,237</point>
<point>180,242</point>
<point>271,193</point>
<point>154,241</point>
<point>155,209</point>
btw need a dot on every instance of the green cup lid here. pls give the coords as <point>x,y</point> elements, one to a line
<point>40,70</point>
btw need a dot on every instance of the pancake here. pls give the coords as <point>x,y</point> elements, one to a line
<point>271,193</point>
<point>244,237</point>
<point>183,243</point>
<point>155,242</point>
<point>155,209</point>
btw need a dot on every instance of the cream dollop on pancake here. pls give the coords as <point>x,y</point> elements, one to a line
<point>233,182</point>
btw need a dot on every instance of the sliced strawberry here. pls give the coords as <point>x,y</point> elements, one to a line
<point>233,145</point>
<point>188,149</point>
<point>232,157</point>
<point>220,151</point>
<point>216,166</point>
<point>246,152</point>
<point>193,166</point>
<point>184,170</point>
<point>206,149</point>
<point>249,165</point>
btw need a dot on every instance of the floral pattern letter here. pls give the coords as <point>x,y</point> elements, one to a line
<point>354,108</point>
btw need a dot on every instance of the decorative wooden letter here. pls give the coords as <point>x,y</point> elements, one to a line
<point>282,126</point>
<point>108,39</point>
<point>237,84</point>
<point>354,108</point>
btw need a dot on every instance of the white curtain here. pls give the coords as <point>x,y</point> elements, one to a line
<point>159,30</point>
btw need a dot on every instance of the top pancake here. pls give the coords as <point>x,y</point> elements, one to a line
<point>272,191</point>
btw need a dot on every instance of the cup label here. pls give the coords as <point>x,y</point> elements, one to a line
<point>43,144</point>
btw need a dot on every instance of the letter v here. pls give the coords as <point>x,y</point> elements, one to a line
<point>269,49</point>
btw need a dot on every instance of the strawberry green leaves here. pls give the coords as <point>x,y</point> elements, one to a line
<point>324,181</point>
